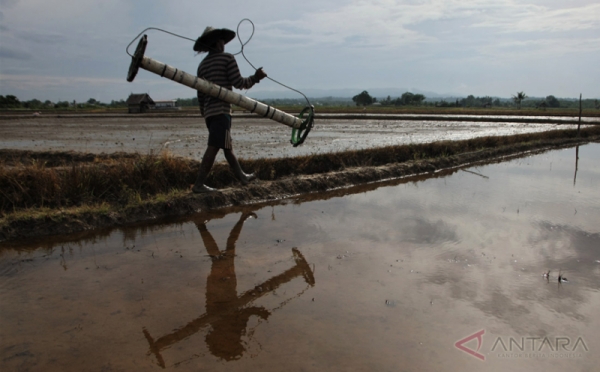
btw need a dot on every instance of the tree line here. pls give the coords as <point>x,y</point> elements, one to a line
<point>407,99</point>
<point>362,99</point>
<point>12,102</point>
<point>518,100</point>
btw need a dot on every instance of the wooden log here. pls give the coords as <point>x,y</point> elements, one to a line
<point>219,92</point>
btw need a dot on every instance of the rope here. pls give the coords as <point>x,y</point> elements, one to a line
<point>242,44</point>
<point>250,63</point>
<point>157,29</point>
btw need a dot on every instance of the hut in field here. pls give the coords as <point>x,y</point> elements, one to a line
<point>139,103</point>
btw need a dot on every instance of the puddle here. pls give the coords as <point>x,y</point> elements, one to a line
<point>380,277</point>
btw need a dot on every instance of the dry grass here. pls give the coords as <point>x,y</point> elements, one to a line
<point>115,181</point>
<point>32,181</point>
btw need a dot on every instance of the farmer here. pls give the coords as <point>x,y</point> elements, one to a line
<point>221,69</point>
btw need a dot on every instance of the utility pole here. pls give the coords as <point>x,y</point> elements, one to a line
<point>579,125</point>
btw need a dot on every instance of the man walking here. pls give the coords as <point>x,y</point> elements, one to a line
<point>221,69</point>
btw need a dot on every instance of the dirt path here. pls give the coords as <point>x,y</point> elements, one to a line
<point>58,222</point>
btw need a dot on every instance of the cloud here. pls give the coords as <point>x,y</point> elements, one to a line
<point>380,42</point>
<point>7,52</point>
<point>358,24</point>
<point>528,18</point>
<point>78,19</point>
<point>539,48</point>
<point>42,82</point>
<point>391,23</point>
<point>41,38</point>
<point>5,4</point>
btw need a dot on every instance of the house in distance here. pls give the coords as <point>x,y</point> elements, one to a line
<point>170,104</point>
<point>139,103</point>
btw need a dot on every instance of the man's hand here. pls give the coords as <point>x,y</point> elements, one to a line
<point>259,75</point>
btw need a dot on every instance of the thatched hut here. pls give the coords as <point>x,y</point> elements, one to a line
<point>139,103</point>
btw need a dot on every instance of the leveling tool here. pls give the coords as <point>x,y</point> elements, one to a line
<point>300,125</point>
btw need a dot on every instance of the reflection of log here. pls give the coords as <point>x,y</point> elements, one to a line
<point>579,124</point>
<point>576,164</point>
<point>300,269</point>
<point>475,173</point>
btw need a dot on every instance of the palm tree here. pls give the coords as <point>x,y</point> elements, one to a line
<point>518,98</point>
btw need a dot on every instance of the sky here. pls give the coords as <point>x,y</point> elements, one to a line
<point>64,50</point>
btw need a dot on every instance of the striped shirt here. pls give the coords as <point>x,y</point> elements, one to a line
<point>220,69</point>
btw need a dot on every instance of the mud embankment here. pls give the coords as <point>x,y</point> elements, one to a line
<point>294,176</point>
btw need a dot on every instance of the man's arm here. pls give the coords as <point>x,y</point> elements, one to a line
<point>259,75</point>
<point>236,79</point>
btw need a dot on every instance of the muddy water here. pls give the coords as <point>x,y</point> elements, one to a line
<point>386,277</point>
<point>253,137</point>
<point>459,117</point>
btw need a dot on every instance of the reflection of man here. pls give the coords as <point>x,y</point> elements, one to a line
<point>221,69</point>
<point>225,338</point>
<point>227,312</point>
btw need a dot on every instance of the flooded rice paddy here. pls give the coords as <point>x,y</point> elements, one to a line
<point>427,273</point>
<point>470,117</point>
<point>253,137</point>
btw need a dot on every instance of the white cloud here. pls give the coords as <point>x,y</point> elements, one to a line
<point>545,47</point>
<point>40,37</point>
<point>41,82</point>
<point>55,12</point>
<point>542,19</point>
<point>7,3</point>
<point>427,44</point>
<point>391,23</point>
<point>11,53</point>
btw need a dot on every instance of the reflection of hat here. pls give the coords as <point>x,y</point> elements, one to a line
<point>210,36</point>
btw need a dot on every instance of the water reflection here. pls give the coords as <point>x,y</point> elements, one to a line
<point>227,313</point>
<point>458,117</point>
<point>576,165</point>
<point>405,269</point>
